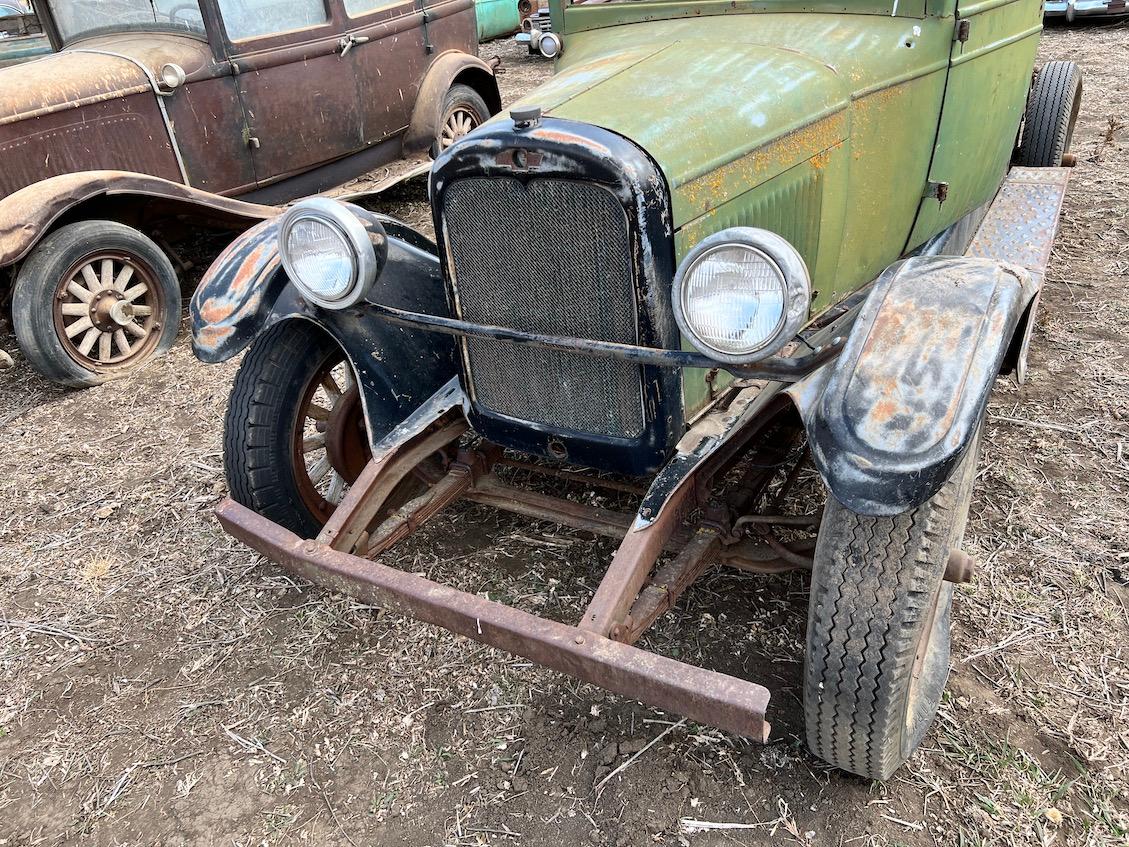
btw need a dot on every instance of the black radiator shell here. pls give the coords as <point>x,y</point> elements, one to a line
<point>567,150</point>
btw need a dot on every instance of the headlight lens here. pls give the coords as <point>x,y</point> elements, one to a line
<point>741,294</point>
<point>327,253</point>
<point>321,258</point>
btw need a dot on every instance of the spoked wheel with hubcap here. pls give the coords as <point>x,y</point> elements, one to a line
<point>107,311</point>
<point>878,627</point>
<point>463,111</point>
<point>94,300</point>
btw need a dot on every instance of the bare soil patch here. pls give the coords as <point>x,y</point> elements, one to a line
<point>159,684</point>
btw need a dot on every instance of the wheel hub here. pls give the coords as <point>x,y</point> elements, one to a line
<point>109,310</point>
<point>346,443</point>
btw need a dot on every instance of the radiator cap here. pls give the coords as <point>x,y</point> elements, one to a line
<point>526,117</point>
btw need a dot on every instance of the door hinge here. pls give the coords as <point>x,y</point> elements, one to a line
<point>963,29</point>
<point>939,191</point>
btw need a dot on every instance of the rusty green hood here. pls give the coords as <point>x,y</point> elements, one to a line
<point>727,102</point>
<point>642,94</point>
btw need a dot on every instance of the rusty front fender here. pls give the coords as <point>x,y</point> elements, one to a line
<point>888,420</point>
<point>28,214</point>
<point>246,291</point>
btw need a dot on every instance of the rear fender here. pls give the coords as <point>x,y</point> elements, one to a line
<point>891,416</point>
<point>448,69</point>
<point>246,291</point>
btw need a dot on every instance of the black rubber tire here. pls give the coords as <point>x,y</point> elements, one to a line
<point>1052,113</point>
<point>465,96</point>
<point>877,597</point>
<point>39,277</point>
<point>262,412</point>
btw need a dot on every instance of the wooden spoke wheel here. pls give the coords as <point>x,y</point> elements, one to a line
<point>94,300</point>
<point>107,311</point>
<point>330,441</point>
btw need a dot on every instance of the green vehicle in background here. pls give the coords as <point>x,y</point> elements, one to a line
<point>497,18</point>
<point>727,242</point>
<point>21,36</point>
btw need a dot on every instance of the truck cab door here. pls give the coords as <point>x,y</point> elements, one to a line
<point>993,48</point>
<point>298,92</point>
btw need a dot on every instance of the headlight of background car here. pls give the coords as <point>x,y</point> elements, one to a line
<point>741,294</point>
<point>327,253</point>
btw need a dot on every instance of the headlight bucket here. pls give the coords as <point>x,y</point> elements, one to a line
<point>741,294</point>
<point>327,253</point>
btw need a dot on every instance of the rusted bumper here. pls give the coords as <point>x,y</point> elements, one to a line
<point>699,694</point>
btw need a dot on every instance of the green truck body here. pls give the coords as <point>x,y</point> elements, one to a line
<point>856,133</point>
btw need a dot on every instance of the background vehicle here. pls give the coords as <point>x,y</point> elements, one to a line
<point>21,36</point>
<point>498,17</point>
<point>152,116</point>
<point>1072,9</point>
<point>703,290</point>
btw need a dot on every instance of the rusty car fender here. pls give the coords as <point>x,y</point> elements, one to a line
<point>246,291</point>
<point>448,68</point>
<point>30,213</point>
<point>888,420</point>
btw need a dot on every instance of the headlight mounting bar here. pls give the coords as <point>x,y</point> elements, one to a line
<point>777,369</point>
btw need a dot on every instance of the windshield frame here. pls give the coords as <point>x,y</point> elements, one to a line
<point>47,10</point>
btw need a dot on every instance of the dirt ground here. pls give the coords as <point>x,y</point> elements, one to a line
<point>159,684</point>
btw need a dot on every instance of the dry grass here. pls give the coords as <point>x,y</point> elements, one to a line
<point>160,684</point>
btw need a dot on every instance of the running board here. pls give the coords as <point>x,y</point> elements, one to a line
<point>1020,225</point>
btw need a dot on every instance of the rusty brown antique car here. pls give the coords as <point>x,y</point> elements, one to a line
<point>153,116</point>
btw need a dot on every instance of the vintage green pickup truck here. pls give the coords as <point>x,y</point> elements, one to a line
<point>729,240</point>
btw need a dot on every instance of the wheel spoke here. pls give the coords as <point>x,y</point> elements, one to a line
<point>91,279</point>
<point>133,329</point>
<point>330,386</point>
<point>336,488</point>
<point>74,309</point>
<point>104,350</point>
<point>320,469</point>
<point>107,280</point>
<point>79,326</point>
<point>135,292</point>
<point>88,340</point>
<point>318,413</point>
<point>124,277</point>
<point>78,291</point>
<point>122,342</point>
<point>313,442</point>
<point>142,311</point>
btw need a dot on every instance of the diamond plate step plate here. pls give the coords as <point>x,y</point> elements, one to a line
<point>1021,222</point>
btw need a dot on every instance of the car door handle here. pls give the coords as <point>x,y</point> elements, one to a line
<point>350,41</point>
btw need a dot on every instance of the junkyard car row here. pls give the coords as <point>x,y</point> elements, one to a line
<point>722,242</point>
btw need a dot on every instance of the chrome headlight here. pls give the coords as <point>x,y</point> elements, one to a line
<point>327,252</point>
<point>741,294</point>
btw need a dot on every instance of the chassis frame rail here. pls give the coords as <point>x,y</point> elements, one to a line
<point>702,695</point>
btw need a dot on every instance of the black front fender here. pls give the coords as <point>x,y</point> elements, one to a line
<point>246,291</point>
<point>891,416</point>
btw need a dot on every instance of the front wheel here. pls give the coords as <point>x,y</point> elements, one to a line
<point>295,436</point>
<point>94,300</point>
<point>878,627</point>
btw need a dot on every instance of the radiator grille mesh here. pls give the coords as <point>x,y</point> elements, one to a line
<point>553,257</point>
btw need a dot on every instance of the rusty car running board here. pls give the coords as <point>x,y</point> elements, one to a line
<point>707,696</point>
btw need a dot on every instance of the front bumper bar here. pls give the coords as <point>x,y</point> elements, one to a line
<point>702,695</point>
